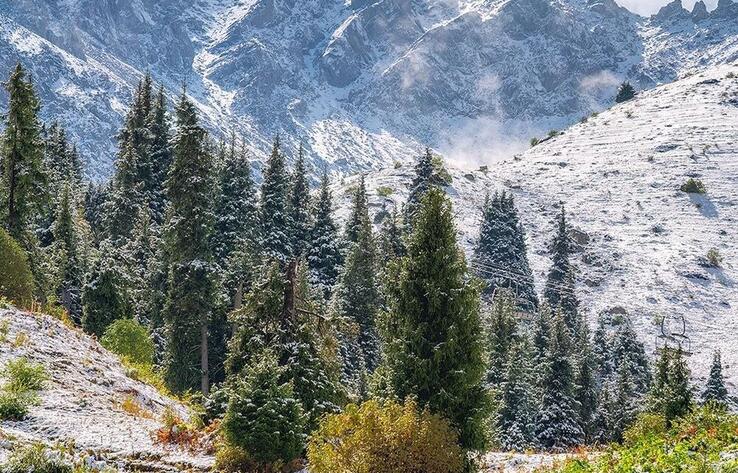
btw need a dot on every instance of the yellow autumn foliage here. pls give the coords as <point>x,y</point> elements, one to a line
<point>384,438</point>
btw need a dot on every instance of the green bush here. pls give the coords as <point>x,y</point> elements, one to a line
<point>24,376</point>
<point>714,258</point>
<point>693,186</point>
<point>385,191</point>
<point>131,340</point>
<point>16,280</point>
<point>264,418</point>
<point>37,459</point>
<point>695,443</point>
<point>390,438</point>
<point>14,406</point>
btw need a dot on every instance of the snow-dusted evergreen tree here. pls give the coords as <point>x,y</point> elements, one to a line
<point>627,347</point>
<point>517,413</point>
<point>602,348</point>
<point>391,237</point>
<point>23,178</point>
<point>160,156</point>
<point>191,292</point>
<point>359,212</point>
<point>357,298</point>
<point>274,212</point>
<point>133,171</point>
<point>435,342</point>
<point>140,252</point>
<point>502,334</point>
<point>557,422</point>
<point>670,395</point>
<point>715,391</point>
<point>560,284</point>
<point>94,209</point>
<point>425,178</point>
<point>586,380</point>
<point>324,256</point>
<point>626,92</point>
<point>299,208</point>
<point>501,255</point>
<point>70,265</point>
<point>103,301</point>
<point>542,334</point>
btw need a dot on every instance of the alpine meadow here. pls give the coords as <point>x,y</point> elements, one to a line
<point>368,236</point>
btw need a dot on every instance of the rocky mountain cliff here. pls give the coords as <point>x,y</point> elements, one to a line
<point>361,82</point>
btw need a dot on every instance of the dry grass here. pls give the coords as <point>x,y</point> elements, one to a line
<point>130,406</point>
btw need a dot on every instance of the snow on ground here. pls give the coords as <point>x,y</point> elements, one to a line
<point>81,403</point>
<point>643,241</point>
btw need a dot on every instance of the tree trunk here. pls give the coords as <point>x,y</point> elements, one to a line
<point>205,369</point>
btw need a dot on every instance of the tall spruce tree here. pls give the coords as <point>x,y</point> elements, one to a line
<point>190,296</point>
<point>324,256</point>
<point>516,416</point>
<point>586,383</point>
<point>435,346</point>
<point>140,253</point>
<point>560,284</point>
<point>23,176</point>
<point>626,348</point>
<point>501,255</point>
<point>274,212</point>
<point>160,156</point>
<point>391,237</point>
<point>359,216</point>
<point>299,208</point>
<point>715,391</point>
<point>670,395</point>
<point>103,301</point>
<point>67,245</point>
<point>557,422</point>
<point>502,334</point>
<point>425,178</point>
<point>357,294</point>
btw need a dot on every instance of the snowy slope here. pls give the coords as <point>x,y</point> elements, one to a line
<point>360,82</point>
<point>81,403</point>
<point>643,241</point>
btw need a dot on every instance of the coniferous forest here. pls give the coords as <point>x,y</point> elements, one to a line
<point>302,340</point>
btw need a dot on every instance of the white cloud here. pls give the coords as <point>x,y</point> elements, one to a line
<point>649,7</point>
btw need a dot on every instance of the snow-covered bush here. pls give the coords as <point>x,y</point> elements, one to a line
<point>37,459</point>
<point>131,340</point>
<point>24,376</point>
<point>389,438</point>
<point>16,280</point>
<point>264,418</point>
<point>693,186</point>
<point>714,258</point>
<point>14,406</point>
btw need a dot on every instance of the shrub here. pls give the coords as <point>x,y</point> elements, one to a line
<point>534,142</point>
<point>440,169</point>
<point>375,438</point>
<point>37,459</point>
<point>16,280</point>
<point>131,340</point>
<point>24,376</point>
<point>14,406</point>
<point>385,191</point>
<point>693,186</point>
<point>625,92</point>
<point>553,133</point>
<point>264,418</point>
<point>714,258</point>
<point>695,443</point>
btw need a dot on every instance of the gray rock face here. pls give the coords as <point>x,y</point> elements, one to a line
<point>360,83</point>
<point>700,12</point>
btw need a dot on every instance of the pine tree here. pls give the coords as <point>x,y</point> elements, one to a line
<point>357,294</point>
<point>626,402</point>
<point>715,391</point>
<point>586,383</point>
<point>557,423</point>
<point>190,296</point>
<point>133,175</point>
<point>560,287</point>
<point>391,237</point>
<point>237,219</point>
<point>501,255</point>
<point>670,395</point>
<point>627,348</point>
<point>140,253</point>
<point>359,216</point>
<point>435,351</point>
<point>160,156</point>
<point>264,417</point>
<point>299,208</point>
<point>94,208</point>
<point>517,412</point>
<point>601,348</point>
<point>425,178</point>
<point>324,257</point>
<point>625,93</point>
<point>67,243</point>
<point>102,298</point>
<point>501,336</point>
<point>275,222</point>
<point>542,334</point>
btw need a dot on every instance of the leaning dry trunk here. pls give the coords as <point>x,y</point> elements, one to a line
<point>205,369</point>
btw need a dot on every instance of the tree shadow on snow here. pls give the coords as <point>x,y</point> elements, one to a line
<point>707,208</point>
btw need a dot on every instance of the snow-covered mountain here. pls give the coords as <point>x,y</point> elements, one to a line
<point>360,82</point>
<point>643,242</point>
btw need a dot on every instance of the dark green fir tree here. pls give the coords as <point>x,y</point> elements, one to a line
<point>299,208</point>
<point>560,284</point>
<point>715,391</point>
<point>516,416</point>
<point>324,256</point>
<point>502,334</point>
<point>274,212</point>
<point>102,299</point>
<point>425,178</point>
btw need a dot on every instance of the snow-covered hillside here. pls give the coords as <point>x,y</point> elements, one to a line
<point>643,242</point>
<point>81,403</point>
<point>360,82</point>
